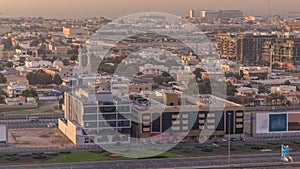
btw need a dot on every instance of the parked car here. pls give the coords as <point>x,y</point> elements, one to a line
<point>224,140</point>
<point>234,139</point>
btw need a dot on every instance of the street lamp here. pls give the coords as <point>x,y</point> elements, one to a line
<point>229,131</point>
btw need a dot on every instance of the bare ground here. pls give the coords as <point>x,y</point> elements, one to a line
<point>38,138</point>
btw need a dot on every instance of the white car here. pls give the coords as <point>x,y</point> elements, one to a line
<point>224,140</point>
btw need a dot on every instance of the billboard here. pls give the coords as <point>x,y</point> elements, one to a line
<point>294,122</point>
<point>3,134</point>
<point>262,123</point>
<point>277,122</point>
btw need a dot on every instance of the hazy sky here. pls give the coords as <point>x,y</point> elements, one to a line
<point>116,8</point>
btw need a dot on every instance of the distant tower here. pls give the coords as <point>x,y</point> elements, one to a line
<point>80,58</point>
<point>89,55</point>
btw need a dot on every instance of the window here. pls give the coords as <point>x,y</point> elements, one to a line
<point>86,140</point>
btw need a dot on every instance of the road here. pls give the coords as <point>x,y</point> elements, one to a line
<point>26,124</point>
<point>250,161</point>
<point>21,121</point>
<point>273,108</point>
<point>26,116</point>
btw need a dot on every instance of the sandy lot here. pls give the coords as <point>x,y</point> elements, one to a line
<point>38,138</point>
<point>44,107</point>
<point>14,78</point>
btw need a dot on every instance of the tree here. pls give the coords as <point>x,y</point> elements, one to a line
<point>231,90</point>
<point>29,93</point>
<point>2,96</point>
<point>39,77</point>
<point>262,89</point>
<point>74,57</point>
<point>249,100</point>
<point>287,82</point>
<point>57,79</point>
<point>198,73</point>
<point>10,64</point>
<point>8,44</point>
<point>66,62</point>
<point>278,99</point>
<point>165,74</point>
<point>235,100</point>
<point>2,78</point>
<point>235,75</point>
<point>60,103</point>
<point>248,85</point>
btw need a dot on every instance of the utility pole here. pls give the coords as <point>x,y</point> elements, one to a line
<point>229,139</point>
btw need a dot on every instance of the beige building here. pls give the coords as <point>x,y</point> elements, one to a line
<point>254,72</point>
<point>227,46</point>
<point>189,60</point>
<point>75,32</point>
<point>58,68</point>
<point>173,115</point>
<point>139,87</point>
<point>290,92</point>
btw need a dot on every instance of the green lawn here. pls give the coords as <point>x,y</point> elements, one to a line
<point>91,156</point>
<point>82,157</point>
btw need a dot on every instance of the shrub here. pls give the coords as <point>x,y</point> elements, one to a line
<point>233,149</point>
<point>10,154</point>
<point>296,142</point>
<point>207,150</point>
<point>177,148</point>
<point>257,147</point>
<point>24,155</point>
<point>40,157</point>
<point>201,146</point>
<point>249,144</point>
<point>51,153</point>
<point>102,151</point>
<point>65,152</point>
<point>186,151</point>
<point>240,145</point>
<point>37,153</point>
<point>12,158</point>
<point>273,143</point>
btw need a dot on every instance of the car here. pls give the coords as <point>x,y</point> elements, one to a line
<point>51,125</point>
<point>224,140</point>
<point>234,139</point>
<point>216,142</point>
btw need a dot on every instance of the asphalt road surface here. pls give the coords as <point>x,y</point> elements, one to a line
<point>26,116</point>
<point>240,161</point>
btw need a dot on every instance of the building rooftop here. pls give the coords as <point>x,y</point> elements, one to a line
<point>158,102</point>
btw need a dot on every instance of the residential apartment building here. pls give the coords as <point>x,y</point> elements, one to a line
<point>250,46</point>
<point>227,46</point>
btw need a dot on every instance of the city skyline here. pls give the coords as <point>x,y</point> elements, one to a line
<point>113,8</point>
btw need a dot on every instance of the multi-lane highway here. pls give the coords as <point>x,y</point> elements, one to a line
<point>241,161</point>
